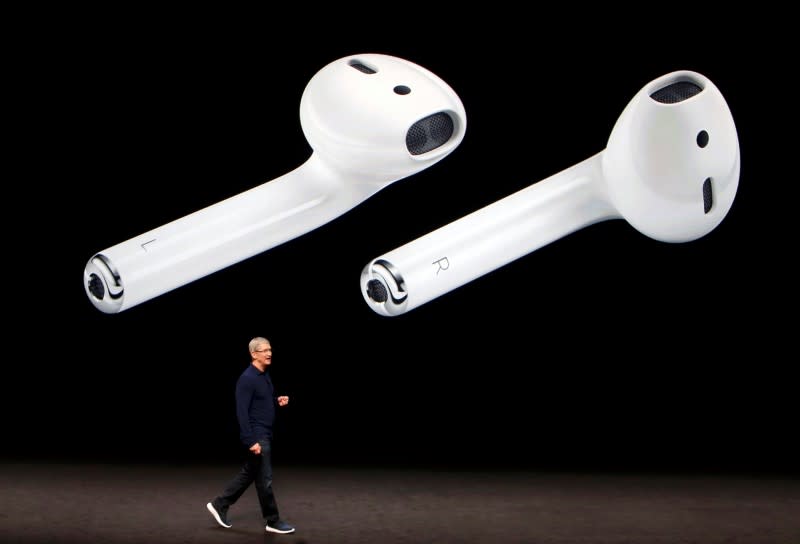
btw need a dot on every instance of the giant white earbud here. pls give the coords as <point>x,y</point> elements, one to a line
<point>670,168</point>
<point>370,120</point>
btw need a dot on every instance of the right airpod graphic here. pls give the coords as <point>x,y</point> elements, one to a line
<point>670,168</point>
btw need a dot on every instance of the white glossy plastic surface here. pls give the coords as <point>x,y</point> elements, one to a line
<point>356,125</point>
<point>652,173</point>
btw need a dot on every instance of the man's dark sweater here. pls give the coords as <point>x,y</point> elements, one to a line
<point>255,405</point>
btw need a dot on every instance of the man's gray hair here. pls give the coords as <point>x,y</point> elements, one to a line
<point>257,341</point>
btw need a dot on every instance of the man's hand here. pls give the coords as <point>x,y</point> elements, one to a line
<point>283,401</point>
<point>256,448</point>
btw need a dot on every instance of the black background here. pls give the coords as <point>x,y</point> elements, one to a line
<point>603,350</point>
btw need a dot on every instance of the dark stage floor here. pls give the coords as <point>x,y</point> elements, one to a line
<point>135,504</point>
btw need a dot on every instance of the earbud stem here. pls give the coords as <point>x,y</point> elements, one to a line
<point>225,233</point>
<point>491,237</point>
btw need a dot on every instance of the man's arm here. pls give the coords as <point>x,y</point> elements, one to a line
<point>245,388</point>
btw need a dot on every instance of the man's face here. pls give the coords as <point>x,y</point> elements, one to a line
<point>263,354</point>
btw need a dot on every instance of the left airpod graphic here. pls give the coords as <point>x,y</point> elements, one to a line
<point>370,119</point>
